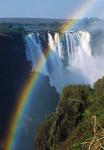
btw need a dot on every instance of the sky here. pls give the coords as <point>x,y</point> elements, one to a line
<point>50,8</point>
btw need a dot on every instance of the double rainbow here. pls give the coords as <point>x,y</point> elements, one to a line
<point>24,97</point>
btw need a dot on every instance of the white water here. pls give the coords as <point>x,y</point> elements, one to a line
<point>34,53</point>
<point>70,59</point>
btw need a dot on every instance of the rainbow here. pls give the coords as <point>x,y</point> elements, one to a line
<point>24,97</point>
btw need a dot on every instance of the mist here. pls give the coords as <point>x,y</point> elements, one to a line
<point>73,58</point>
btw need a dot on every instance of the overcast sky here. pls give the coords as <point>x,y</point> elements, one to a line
<point>50,8</point>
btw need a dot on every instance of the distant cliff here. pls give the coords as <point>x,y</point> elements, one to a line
<point>43,101</point>
<point>14,70</point>
<point>71,124</point>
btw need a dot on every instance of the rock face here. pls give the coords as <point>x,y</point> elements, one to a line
<point>44,101</point>
<point>14,69</point>
<point>73,122</point>
<point>59,125</point>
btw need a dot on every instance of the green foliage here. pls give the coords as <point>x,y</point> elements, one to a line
<point>9,28</point>
<point>75,146</point>
<point>50,118</point>
<point>75,91</point>
<point>70,125</point>
<point>99,87</point>
<point>86,114</point>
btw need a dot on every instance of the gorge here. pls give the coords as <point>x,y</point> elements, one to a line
<point>72,57</point>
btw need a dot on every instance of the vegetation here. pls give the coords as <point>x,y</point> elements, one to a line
<point>72,123</point>
<point>10,28</point>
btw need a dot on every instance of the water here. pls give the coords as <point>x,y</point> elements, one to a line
<point>34,53</point>
<point>70,59</point>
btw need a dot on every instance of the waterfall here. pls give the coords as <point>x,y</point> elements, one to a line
<point>70,59</point>
<point>58,45</point>
<point>34,53</point>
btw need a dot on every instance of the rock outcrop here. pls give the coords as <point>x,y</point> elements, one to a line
<point>72,123</point>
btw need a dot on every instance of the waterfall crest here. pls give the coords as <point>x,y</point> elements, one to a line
<point>34,53</point>
<point>70,59</point>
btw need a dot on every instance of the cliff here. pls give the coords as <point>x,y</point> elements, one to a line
<point>43,101</point>
<point>70,125</point>
<point>14,70</point>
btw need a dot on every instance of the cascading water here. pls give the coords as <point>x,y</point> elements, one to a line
<point>34,53</point>
<point>70,59</point>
